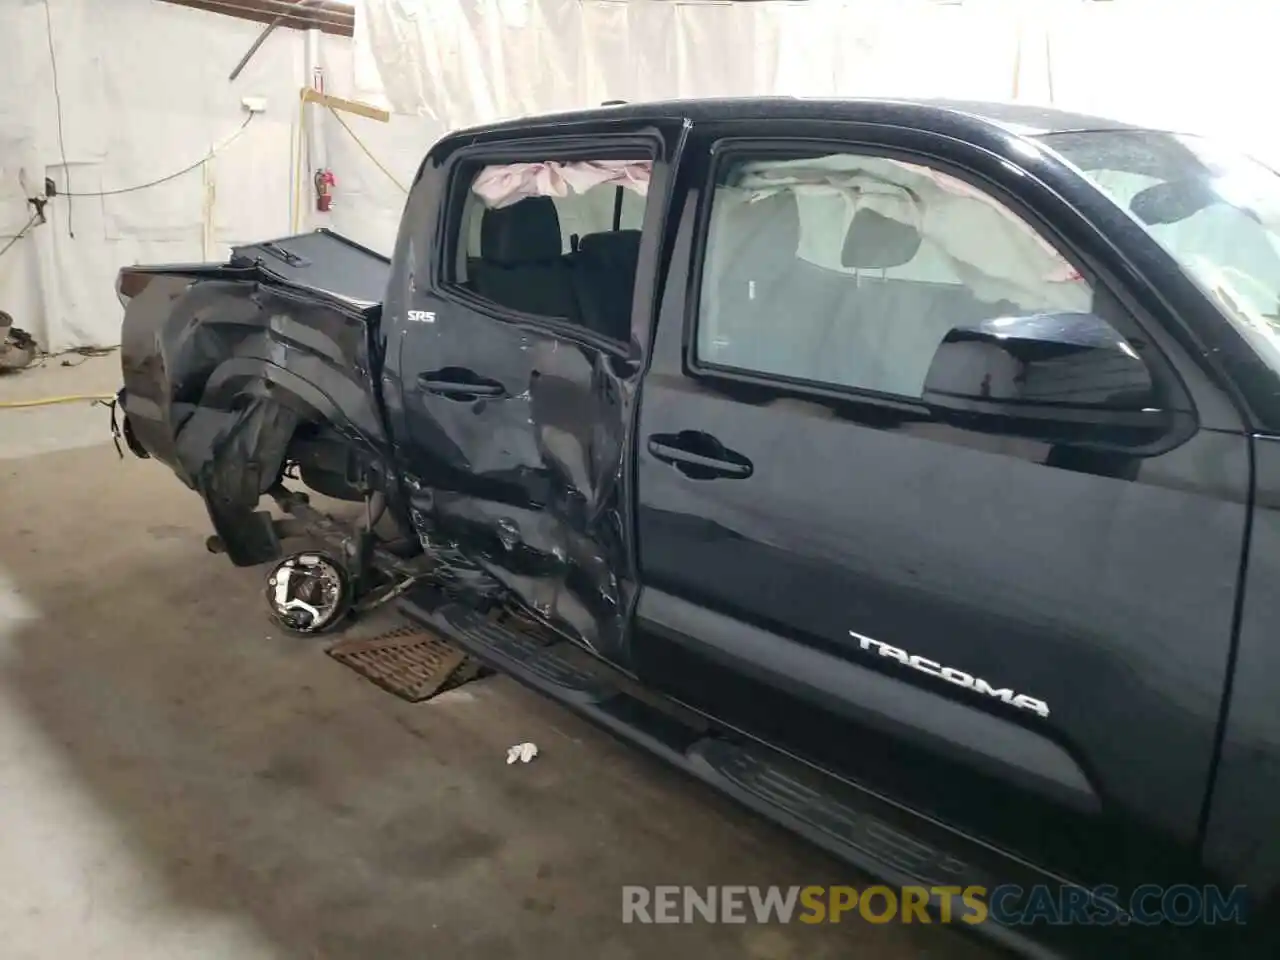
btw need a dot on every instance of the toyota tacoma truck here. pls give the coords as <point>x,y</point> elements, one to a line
<point>909,471</point>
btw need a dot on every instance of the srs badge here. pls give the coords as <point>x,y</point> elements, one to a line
<point>952,675</point>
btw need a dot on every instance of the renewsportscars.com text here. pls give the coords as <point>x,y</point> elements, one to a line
<point>1010,905</point>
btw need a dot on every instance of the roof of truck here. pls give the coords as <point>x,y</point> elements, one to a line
<point>1018,118</point>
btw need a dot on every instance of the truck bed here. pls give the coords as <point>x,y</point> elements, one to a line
<point>232,370</point>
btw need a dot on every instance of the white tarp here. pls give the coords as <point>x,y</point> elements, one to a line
<point>1201,64</point>
<point>144,93</point>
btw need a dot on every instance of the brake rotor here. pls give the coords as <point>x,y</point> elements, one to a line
<point>308,592</point>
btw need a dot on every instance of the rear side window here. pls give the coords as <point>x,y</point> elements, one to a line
<point>849,269</point>
<point>558,240</point>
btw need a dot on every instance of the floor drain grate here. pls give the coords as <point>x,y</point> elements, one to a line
<point>409,661</point>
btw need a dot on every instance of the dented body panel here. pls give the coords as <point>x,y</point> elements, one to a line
<point>226,365</point>
<point>533,472</point>
<point>533,483</point>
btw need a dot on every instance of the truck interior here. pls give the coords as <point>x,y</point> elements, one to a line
<point>538,246</point>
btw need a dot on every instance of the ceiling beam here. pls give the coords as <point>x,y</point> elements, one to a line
<point>330,16</point>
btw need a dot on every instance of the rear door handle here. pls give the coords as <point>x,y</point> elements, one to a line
<point>458,384</point>
<point>699,456</point>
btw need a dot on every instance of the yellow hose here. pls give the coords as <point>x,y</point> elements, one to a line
<point>46,401</point>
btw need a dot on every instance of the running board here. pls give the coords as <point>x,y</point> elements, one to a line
<point>898,847</point>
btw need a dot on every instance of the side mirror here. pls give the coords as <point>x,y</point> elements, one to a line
<point>1065,377</point>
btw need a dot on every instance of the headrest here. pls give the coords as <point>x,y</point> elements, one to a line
<point>615,245</point>
<point>772,223</point>
<point>877,242</point>
<point>527,231</point>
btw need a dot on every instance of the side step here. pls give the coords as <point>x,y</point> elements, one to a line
<point>895,845</point>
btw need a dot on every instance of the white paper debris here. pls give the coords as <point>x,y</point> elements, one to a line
<point>524,752</point>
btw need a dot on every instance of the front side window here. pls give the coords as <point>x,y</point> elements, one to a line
<point>1214,210</point>
<point>849,269</point>
<point>555,239</point>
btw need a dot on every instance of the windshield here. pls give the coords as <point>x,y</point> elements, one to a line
<point>1214,210</point>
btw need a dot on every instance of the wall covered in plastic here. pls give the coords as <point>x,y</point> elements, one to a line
<point>1192,64</point>
<point>144,93</point>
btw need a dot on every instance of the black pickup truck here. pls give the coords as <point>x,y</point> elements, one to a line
<point>909,471</point>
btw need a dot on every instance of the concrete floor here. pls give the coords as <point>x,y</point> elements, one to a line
<point>177,780</point>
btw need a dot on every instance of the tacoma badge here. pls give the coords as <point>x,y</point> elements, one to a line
<point>952,675</point>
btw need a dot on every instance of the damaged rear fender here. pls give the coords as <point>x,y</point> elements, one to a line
<point>229,378</point>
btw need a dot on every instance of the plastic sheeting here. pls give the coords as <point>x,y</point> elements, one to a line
<point>144,93</point>
<point>465,61</point>
<point>1191,64</point>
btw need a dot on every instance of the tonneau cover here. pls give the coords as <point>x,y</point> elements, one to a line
<point>322,261</point>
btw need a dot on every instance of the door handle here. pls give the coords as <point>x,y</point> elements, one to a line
<point>453,388</point>
<point>699,456</point>
<point>457,384</point>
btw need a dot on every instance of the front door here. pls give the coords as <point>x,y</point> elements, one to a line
<point>1023,641</point>
<point>514,359</point>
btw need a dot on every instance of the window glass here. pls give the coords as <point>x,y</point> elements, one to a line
<point>1216,211</point>
<point>849,269</point>
<point>558,239</point>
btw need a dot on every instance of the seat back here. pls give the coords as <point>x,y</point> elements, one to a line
<point>604,273</point>
<point>521,266</point>
<point>754,296</point>
<point>885,330</point>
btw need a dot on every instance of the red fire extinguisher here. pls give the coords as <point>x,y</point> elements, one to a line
<point>325,182</point>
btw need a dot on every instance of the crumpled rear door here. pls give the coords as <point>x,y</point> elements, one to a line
<point>513,434</point>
